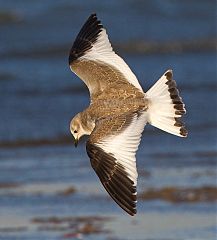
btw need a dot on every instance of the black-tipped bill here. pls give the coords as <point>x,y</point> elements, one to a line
<point>76,142</point>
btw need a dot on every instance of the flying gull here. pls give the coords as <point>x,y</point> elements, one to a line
<point>118,112</point>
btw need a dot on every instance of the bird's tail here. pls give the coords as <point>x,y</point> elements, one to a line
<point>166,106</point>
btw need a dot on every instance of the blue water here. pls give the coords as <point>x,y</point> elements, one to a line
<point>39,96</point>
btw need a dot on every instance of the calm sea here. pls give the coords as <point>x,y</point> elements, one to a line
<point>39,166</point>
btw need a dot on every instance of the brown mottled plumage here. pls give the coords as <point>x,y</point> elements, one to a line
<point>118,111</point>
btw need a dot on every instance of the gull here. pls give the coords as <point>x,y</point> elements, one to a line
<point>118,112</point>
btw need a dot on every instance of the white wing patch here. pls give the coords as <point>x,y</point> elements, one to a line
<point>124,145</point>
<point>102,51</point>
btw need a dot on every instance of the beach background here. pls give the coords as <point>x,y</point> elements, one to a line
<point>48,189</point>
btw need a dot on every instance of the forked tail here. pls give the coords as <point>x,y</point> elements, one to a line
<point>166,106</point>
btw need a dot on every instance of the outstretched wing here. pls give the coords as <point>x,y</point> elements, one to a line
<point>94,61</point>
<point>112,148</point>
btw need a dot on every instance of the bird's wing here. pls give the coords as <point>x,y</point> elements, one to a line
<point>112,148</point>
<point>93,60</point>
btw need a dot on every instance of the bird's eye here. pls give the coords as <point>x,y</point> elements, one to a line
<point>75,131</point>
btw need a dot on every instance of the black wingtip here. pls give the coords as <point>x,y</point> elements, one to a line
<point>93,15</point>
<point>114,178</point>
<point>86,37</point>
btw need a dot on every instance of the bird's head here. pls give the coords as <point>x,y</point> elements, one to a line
<point>76,128</point>
<point>80,126</point>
